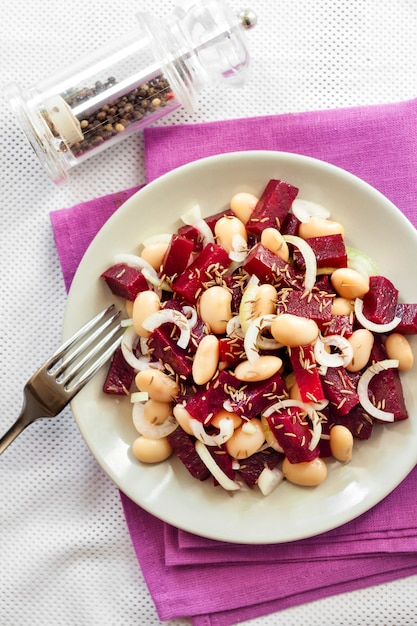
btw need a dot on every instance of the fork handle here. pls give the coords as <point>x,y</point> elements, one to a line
<point>14,431</point>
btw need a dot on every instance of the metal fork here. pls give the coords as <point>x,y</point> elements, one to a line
<point>67,371</point>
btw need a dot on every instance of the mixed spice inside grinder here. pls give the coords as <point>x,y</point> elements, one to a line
<point>158,67</point>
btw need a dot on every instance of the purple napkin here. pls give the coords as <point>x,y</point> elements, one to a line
<point>186,574</point>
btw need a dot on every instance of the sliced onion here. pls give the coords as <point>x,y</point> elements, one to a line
<point>239,249</point>
<point>253,334</point>
<point>191,315</point>
<point>233,327</point>
<point>233,267</point>
<point>226,430</point>
<point>192,215</point>
<point>309,259</point>
<point>372,326</point>
<point>144,347</point>
<point>154,280</point>
<point>174,317</point>
<point>214,469</point>
<point>205,231</point>
<point>134,261</point>
<point>194,218</point>
<point>363,385</point>
<point>128,345</point>
<point>336,359</point>
<point>246,304</point>
<point>319,406</point>
<point>153,431</point>
<point>307,408</point>
<point>360,262</point>
<point>269,479</point>
<point>304,210</point>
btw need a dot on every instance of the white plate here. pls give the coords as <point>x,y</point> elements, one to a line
<point>166,490</point>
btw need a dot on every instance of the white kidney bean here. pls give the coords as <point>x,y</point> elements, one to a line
<point>242,205</point>
<point>362,341</point>
<point>306,473</point>
<point>157,412</point>
<point>226,228</point>
<point>146,303</point>
<point>398,347</point>
<point>216,308</point>
<point>183,418</point>
<point>294,330</point>
<point>272,239</point>
<point>341,443</point>
<point>158,385</point>
<point>223,414</point>
<point>342,306</point>
<point>154,253</point>
<point>246,440</point>
<point>349,283</point>
<point>320,226</point>
<point>206,360</point>
<point>152,450</point>
<point>265,300</point>
<point>261,369</point>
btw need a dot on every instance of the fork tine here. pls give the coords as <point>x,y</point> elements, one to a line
<point>82,332</point>
<point>90,336</point>
<point>96,349</point>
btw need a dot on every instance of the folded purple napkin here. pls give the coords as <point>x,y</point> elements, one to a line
<point>185,573</point>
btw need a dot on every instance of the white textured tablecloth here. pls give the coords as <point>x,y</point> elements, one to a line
<point>65,552</point>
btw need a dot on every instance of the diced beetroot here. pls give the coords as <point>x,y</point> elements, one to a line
<point>306,373</point>
<point>292,430</point>
<point>198,331</point>
<point>357,421</point>
<point>120,375</point>
<point>208,400</point>
<point>211,261</point>
<point>193,234</point>
<point>232,349</point>
<point>177,256</point>
<point>339,387</point>
<point>315,305</point>
<point>386,388</point>
<point>163,347</point>
<point>330,251</point>
<point>235,284</point>
<point>323,284</point>
<point>408,315</point>
<point>380,303</point>
<point>272,206</point>
<point>184,448</point>
<point>251,468</point>
<point>290,225</point>
<point>173,304</point>
<point>125,281</point>
<point>339,325</point>
<point>270,268</point>
<point>252,398</point>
